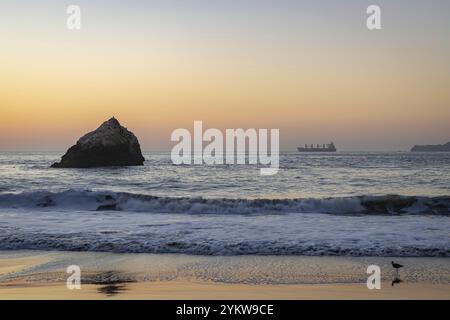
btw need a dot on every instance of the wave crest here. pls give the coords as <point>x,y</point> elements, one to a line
<point>122,201</point>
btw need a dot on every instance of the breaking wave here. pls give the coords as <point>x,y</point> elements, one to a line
<point>121,201</point>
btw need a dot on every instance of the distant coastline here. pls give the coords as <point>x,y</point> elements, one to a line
<point>432,148</point>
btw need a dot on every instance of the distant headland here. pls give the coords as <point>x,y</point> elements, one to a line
<point>432,148</point>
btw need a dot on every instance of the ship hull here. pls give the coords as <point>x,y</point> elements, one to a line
<point>315,150</point>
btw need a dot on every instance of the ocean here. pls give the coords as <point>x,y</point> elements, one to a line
<point>339,204</point>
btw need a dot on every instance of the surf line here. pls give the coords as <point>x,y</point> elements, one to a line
<point>235,151</point>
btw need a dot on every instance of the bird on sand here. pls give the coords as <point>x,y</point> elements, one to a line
<point>396,265</point>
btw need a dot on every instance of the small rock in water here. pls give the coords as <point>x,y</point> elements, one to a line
<point>109,145</point>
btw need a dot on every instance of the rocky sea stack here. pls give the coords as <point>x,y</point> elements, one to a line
<point>109,145</point>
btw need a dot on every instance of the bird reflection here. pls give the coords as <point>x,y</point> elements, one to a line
<point>395,281</point>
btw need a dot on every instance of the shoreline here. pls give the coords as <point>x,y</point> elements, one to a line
<point>41,275</point>
<point>193,290</point>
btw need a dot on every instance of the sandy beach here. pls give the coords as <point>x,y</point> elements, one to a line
<point>41,275</point>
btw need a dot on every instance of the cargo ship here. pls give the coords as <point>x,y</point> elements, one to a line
<point>318,148</point>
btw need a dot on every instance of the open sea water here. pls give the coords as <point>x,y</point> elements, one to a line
<point>340,204</point>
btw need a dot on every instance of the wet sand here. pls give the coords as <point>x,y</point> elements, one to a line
<point>183,289</point>
<point>41,275</point>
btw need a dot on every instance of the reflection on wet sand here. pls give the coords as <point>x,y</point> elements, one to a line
<point>112,289</point>
<point>396,281</point>
<point>111,282</point>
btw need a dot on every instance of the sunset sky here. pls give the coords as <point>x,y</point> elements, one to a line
<point>310,68</point>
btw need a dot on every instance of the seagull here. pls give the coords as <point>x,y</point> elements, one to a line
<point>396,265</point>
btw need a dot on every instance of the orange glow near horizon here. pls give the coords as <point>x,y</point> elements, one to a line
<point>362,90</point>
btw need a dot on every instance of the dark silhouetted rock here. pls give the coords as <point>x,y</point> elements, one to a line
<point>109,145</point>
<point>432,148</point>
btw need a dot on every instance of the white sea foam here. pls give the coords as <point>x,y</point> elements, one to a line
<point>108,200</point>
<point>225,234</point>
